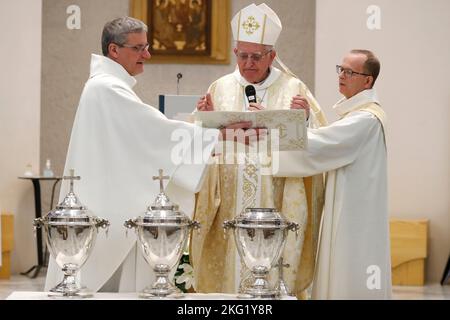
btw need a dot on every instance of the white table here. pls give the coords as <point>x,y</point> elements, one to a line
<point>29,295</point>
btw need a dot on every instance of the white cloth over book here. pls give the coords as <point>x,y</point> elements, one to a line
<point>289,126</point>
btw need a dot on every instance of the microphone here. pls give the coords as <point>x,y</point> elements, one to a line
<point>250,92</point>
<point>179,76</point>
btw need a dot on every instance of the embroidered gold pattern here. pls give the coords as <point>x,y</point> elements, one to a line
<point>251,170</point>
<point>251,25</point>
<point>283,130</point>
<point>250,175</point>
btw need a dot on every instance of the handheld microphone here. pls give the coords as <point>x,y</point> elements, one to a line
<point>250,92</point>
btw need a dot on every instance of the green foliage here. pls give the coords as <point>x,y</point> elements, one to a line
<point>184,260</point>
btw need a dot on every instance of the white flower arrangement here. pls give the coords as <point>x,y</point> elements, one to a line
<point>186,277</point>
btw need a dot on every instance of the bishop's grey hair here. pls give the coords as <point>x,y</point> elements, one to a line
<point>116,31</point>
<point>266,46</point>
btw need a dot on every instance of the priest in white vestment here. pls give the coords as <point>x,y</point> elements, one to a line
<point>117,145</point>
<point>354,249</point>
<point>230,189</point>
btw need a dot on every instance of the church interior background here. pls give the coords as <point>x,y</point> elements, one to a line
<point>46,64</point>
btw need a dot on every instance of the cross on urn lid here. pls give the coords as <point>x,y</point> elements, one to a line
<point>162,201</point>
<point>71,200</point>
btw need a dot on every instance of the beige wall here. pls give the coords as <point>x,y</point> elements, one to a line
<point>20,90</point>
<point>66,57</point>
<point>413,87</point>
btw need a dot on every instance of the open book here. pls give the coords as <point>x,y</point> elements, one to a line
<point>288,125</point>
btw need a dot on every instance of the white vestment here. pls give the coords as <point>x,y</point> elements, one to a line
<point>117,145</point>
<point>354,249</point>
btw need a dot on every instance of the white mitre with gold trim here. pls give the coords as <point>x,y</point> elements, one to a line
<point>256,24</point>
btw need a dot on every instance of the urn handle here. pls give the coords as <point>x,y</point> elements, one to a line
<point>294,227</point>
<point>130,224</point>
<point>102,223</point>
<point>228,224</point>
<point>38,222</point>
<point>195,225</point>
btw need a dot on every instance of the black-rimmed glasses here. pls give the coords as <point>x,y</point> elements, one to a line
<point>349,72</point>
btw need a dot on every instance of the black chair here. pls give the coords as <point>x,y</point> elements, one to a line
<point>446,276</point>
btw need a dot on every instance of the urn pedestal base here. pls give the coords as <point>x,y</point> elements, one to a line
<point>69,288</point>
<point>162,288</point>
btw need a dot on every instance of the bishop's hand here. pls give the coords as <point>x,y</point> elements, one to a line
<point>205,103</point>
<point>299,102</point>
<point>255,107</point>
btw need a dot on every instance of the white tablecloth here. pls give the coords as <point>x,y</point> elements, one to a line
<point>28,295</point>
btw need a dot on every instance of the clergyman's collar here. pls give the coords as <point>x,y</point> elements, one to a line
<point>274,74</point>
<point>102,64</point>
<point>344,106</point>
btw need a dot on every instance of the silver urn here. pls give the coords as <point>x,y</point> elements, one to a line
<point>260,235</point>
<point>71,230</point>
<point>162,235</point>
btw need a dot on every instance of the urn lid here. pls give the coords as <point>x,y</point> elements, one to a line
<point>163,210</point>
<point>269,217</point>
<point>70,209</point>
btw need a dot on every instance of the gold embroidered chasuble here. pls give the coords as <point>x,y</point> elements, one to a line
<point>229,188</point>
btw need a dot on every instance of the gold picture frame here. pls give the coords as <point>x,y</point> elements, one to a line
<point>217,31</point>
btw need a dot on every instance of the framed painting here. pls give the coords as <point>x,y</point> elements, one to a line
<point>186,31</point>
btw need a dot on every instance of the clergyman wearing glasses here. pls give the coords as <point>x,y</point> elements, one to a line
<point>232,188</point>
<point>117,144</point>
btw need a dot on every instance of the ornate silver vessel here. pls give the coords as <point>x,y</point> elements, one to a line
<point>162,234</point>
<point>71,230</point>
<point>260,235</point>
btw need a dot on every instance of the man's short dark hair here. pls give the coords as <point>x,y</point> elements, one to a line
<point>372,64</point>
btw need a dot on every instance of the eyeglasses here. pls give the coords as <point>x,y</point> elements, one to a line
<point>257,56</point>
<point>140,48</point>
<point>349,72</point>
